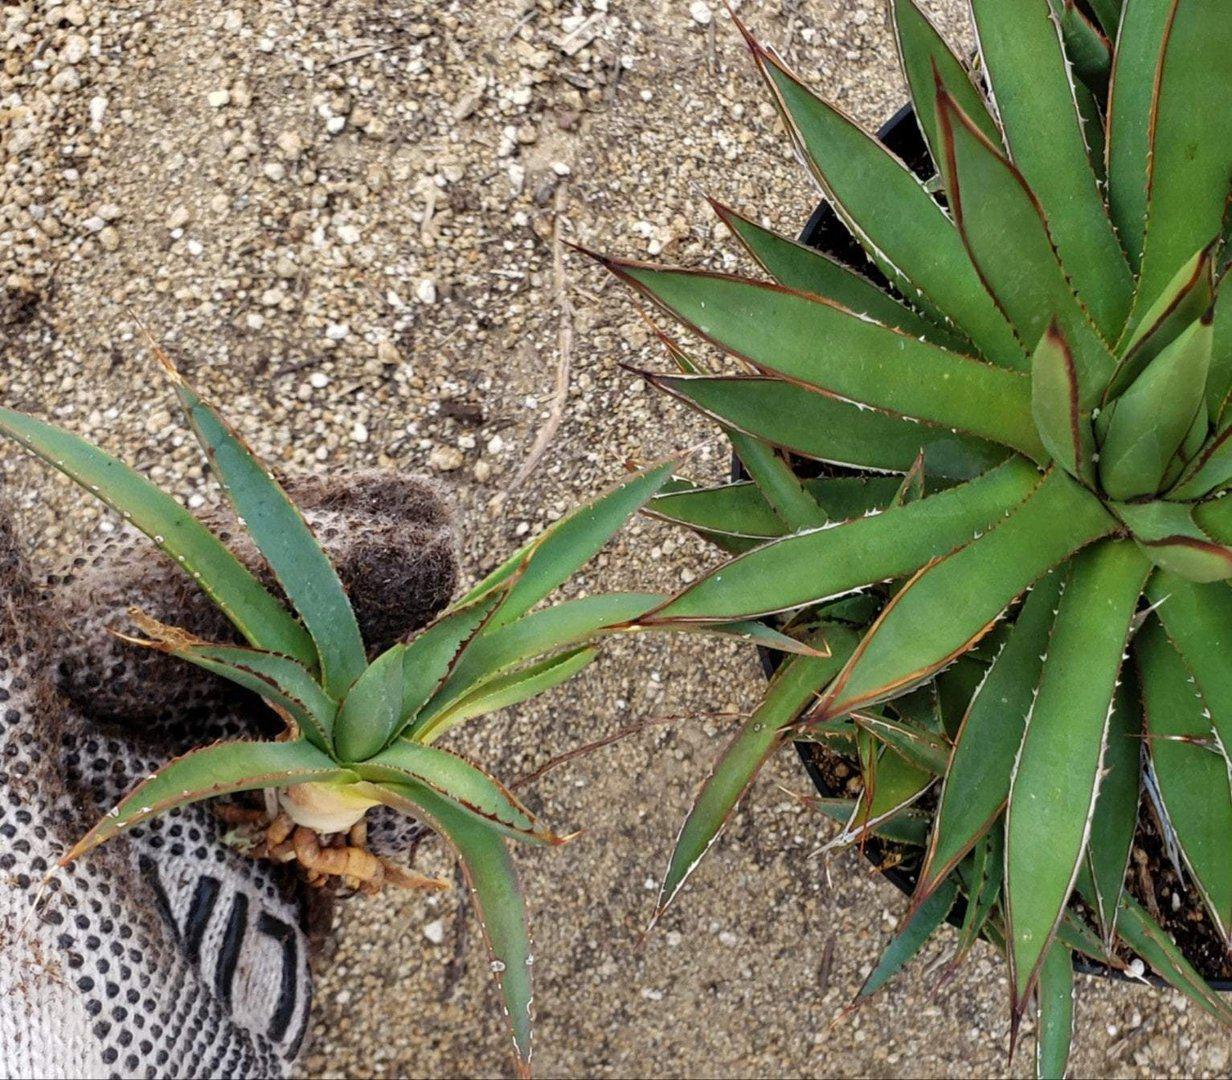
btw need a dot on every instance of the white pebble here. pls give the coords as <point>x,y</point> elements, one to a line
<point>435,931</point>
<point>218,98</point>
<point>425,291</point>
<point>701,12</point>
<point>337,331</point>
<point>348,234</point>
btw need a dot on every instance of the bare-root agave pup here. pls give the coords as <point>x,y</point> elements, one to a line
<point>357,731</point>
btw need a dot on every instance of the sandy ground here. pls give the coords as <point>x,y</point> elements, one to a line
<point>341,218</point>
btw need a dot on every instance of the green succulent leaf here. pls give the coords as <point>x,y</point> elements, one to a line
<point>764,464</point>
<point>951,603</point>
<point>928,61</point>
<point>917,929</point>
<point>983,888</point>
<point>1130,123</point>
<point>892,214</point>
<point>461,783</point>
<point>1108,12</point>
<point>810,341</point>
<point>1116,805</point>
<point>910,827</point>
<point>1198,619</point>
<point>1056,1013</point>
<point>1219,379</point>
<point>371,711</point>
<point>493,880</point>
<point>220,769</point>
<point>1086,47</point>
<point>808,270</point>
<point>791,690</point>
<point>826,428</point>
<point>1151,942</point>
<point>1056,404</point>
<point>741,510</point>
<point>917,746</point>
<point>1189,163</point>
<point>556,554</point>
<point>1186,299</point>
<point>1003,227</point>
<point>824,563</point>
<point>977,781</point>
<point>1053,789</point>
<point>1172,539</point>
<point>257,614</point>
<point>283,682</point>
<point>1031,85</point>
<point>1154,415</point>
<point>284,538</point>
<point>509,689</point>
<point>1209,470</point>
<point>1192,778</point>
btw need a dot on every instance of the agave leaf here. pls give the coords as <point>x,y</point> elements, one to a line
<point>892,785</point>
<point>1108,12</point>
<point>825,563</point>
<point>791,689</point>
<point>1130,107</point>
<point>1091,116</point>
<point>283,537</point>
<point>764,464</point>
<point>1056,404</point>
<point>1002,224</point>
<point>1171,538</point>
<point>508,689</point>
<point>811,271</point>
<point>954,601</point>
<point>1214,518</point>
<point>1186,299</point>
<point>826,428</point>
<point>812,342</point>
<point>983,888</point>
<point>1116,806</point>
<point>927,61</point>
<point>460,782</point>
<point>283,682</point>
<point>918,747</point>
<point>1209,470</point>
<point>556,554</point>
<point>371,711</point>
<point>1189,165</point>
<point>1198,619</point>
<point>1154,415</point>
<point>1052,792</point>
<point>1031,86</point>
<point>1056,1013</point>
<point>1219,379</point>
<point>909,827</point>
<point>1151,942</point>
<point>433,655</point>
<point>1193,781</point>
<point>220,769</point>
<point>977,781</point>
<point>917,928</point>
<point>494,884</point>
<point>261,618</point>
<point>1086,47</point>
<point>741,510</point>
<point>890,212</point>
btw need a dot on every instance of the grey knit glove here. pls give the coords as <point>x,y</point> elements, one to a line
<point>165,953</point>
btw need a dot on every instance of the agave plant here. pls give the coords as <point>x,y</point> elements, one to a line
<point>359,732</point>
<point>1015,547</point>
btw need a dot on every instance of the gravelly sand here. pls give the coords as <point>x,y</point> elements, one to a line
<point>340,218</point>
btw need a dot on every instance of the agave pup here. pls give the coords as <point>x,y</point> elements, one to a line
<point>360,731</point>
<point>1017,549</point>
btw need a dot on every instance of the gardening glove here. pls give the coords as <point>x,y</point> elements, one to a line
<point>165,952</point>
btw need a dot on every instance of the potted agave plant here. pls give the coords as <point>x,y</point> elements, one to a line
<point>987,445</point>
<point>358,731</point>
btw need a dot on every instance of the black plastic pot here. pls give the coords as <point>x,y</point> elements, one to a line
<point>827,233</point>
